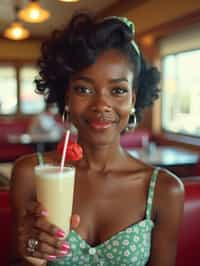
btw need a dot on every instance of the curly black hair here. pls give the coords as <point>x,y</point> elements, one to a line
<point>78,45</point>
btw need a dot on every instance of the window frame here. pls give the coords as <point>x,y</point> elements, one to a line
<point>18,64</point>
<point>164,130</point>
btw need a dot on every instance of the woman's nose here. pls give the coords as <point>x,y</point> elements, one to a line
<point>101,103</point>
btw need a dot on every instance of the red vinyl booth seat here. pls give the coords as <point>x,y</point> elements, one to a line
<point>135,138</point>
<point>188,253</point>
<point>8,151</point>
<point>5,228</point>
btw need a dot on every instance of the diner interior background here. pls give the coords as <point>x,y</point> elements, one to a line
<point>169,134</point>
<point>168,33</point>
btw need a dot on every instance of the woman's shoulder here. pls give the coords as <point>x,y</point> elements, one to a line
<point>169,190</point>
<point>166,181</point>
<point>24,165</point>
<point>22,179</point>
<point>169,182</point>
<point>28,162</point>
<point>23,168</point>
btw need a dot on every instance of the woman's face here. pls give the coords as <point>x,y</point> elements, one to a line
<point>100,98</point>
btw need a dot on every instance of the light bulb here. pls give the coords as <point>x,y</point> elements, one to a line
<point>16,31</point>
<point>33,13</point>
<point>69,0</point>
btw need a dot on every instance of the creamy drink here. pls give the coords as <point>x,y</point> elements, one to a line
<point>55,192</point>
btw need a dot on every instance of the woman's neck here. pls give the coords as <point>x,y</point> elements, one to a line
<point>101,157</point>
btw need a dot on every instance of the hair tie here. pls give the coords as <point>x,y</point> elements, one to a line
<point>130,25</point>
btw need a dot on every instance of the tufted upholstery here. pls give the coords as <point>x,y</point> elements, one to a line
<point>188,253</point>
<point>5,227</point>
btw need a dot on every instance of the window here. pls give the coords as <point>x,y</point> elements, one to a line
<point>8,90</point>
<point>181,93</point>
<point>17,93</point>
<point>181,86</point>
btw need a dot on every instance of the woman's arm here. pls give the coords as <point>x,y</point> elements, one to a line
<point>169,200</point>
<point>22,192</point>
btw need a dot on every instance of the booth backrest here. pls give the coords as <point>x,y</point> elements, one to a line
<point>188,253</point>
<point>5,227</point>
<point>197,168</point>
<point>135,139</point>
<point>13,126</point>
<point>17,126</point>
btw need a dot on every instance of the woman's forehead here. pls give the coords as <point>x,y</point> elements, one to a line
<point>111,65</point>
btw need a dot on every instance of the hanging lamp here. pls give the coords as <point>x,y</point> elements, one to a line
<point>34,13</point>
<point>16,31</point>
<point>69,1</point>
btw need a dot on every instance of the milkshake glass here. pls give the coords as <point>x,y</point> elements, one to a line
<point>54,189</point>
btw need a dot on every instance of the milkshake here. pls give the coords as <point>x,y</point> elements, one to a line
<point>55,192</point>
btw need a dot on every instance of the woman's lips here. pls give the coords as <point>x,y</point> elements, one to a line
<point>98,124</point>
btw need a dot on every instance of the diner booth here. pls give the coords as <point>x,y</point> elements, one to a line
<point>168,135</point>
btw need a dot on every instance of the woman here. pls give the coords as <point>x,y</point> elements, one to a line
<point>125,212</point>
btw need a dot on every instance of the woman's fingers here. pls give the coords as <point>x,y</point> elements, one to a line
<point>49,246</point>
<point>75,221</point>
<point>43,225</point>
<point>49,238</point>
<point>36,209</point>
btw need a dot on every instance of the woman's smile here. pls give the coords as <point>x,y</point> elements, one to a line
<point>100,124</point>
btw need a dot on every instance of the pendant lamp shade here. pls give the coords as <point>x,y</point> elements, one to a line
<point>16,31</point>
<point>69,1</point>
<point>33,13</point>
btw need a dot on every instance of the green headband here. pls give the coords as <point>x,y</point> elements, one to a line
<point>130,25</point>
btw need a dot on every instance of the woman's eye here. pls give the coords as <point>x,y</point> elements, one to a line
<point>119,91</point>
<point>83,90</point>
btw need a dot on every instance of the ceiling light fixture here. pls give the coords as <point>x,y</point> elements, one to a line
<point>69,0</point>
<point>16,31</point>
<point>34,13</point>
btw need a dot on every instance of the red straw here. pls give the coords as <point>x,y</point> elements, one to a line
<point>64,150</point>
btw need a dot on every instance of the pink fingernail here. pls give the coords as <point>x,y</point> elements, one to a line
<point>51,257</point>
<point>65,247</point>
<point>44,213</point>
<point>63,252</point>
<point>60,233</point>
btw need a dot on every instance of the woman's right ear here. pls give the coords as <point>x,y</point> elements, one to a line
<point>133,98</point>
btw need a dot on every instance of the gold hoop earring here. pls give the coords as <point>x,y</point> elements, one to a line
<point>132,122</point>
<point>65,115</point>
<point>66,120</point>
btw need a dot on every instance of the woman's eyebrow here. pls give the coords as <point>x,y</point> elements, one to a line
<point>87,79</point>
<point>118,80</point>
<point>90,80</point>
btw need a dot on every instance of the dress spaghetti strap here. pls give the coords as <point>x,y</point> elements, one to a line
<point>151,193</point>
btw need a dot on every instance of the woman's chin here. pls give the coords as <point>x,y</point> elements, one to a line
<point>97,139</point>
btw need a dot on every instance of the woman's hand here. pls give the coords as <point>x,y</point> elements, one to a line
<point>38,238</point>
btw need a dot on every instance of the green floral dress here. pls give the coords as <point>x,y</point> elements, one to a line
<point>130,246</point>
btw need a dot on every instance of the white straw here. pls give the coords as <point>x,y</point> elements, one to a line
<point>64,150</point>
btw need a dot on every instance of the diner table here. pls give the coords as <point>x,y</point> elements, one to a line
<point>179,161</point>
<point>41,141</point>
